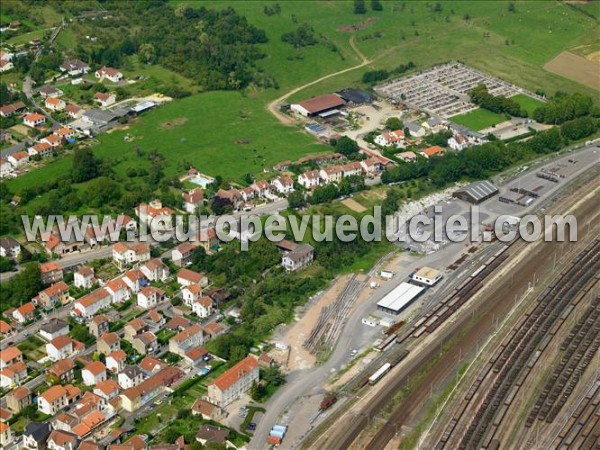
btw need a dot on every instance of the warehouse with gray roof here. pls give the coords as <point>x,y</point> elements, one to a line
<point>477,192</point>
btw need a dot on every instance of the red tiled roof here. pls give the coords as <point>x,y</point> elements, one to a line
<point>95,368</point>
<point>231,376</point>
<point>322,102</point>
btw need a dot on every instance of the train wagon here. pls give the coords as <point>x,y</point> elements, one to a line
<point>380,373</point>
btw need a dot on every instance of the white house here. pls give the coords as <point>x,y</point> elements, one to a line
<point>352,169</point>
<point>105,98</point>
<point>118,290</point>
<point>62,440</point>
<point>9,248</point>
<point>149,297</point>
<point>284,184</point>
<point>75,67</point>
<point>186,277</point>
<point>5,65</point>
<point>191,293</point>
<point>6,168</point>
<point>34,120</point>
<point>84,278</point>
<point>458,142</point>
<point>124,254</point>
<point>89,305</point>
<point>333,174</point>
<point>116,360</point>
<point>182,254</point>
<point>41,149</point>
<point>133,279</point>
<point>93,373</point>
<point>390,138</point>
<point>192,200</point>
<point>62,347</point>
<point>18,159</point>
<point>203,307</point>
<point>53,400</point>
<point>55,104</point>
<point>109,73</point>
<point>130,376</point>
<point>310,179</point>
<point>187,339</point>
<point>155,270</point>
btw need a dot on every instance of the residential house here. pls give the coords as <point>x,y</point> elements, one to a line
<point>54,328</point>
<point>62,370</point>
<point>62,440</point>
<point>56,294</point>
<point>310,179</point>
<point>209,434</point>
<point>434,125</point>
<point>105,98</point>
<point>34,120</point>
<point>458,142</point>
<point>10,356</point>
<point>186,277</point>
<point>5,65</point>
<point>248,194</point>
<point>13,108</point>
<point>74,111</point>
<point>190,294</point>
<point>182,254</point>
<point>65,133</point>
<point>36,434</point>
<point>232,196</point>
<point>207,410</point>
<point>151,366</point>
<point>127,254</point>
<point>207,239</point>
<point>51,272</point>
<point>155,270</point>
<point>57,398</point>
<point>18,159</point>
<point>371,166</point>
<point>265,361</point>
<point>116,361</point>
<point>195,355</point>
<point>13,375</point>
<point>74,67</point>
<point>332,174</point>
<point>352,169</point>
<point>192,200</point>
<point>155,319</point>
<point>5,328</point>
<point>107,389</point>
<point>154,213</point>
<point>93,373</point>
<point>178,323</point>
<point>50,91</point>
<point>118,289</point>
<point>298,258</point>
<point>150,297</point>
<point>63,347</point>
<point>436,150</point>
<point>89,305</point>
<point>394,138</point>
<point>24,313</point>
<point>233,383</point>
<point>145,343</point>
<point>41,149</point>
<point>55,104</point>
<point>203,307</point>
<point>108,343</point>
<point>135,397</point>
<point>98,325</point>
<point>6,436</point>
<point>53,140</point>
<point>213,329</point>
<point>109,73</point>
<point>9,248</point>
<point>407,156</point>
<point>135,280</point>
<point>414,129</point>
<point>6,168</point>
<point>18,399</point>
<point>189,338</point>
<point>262,188</point>
<point>84,278</point>
<point>130,376</point>
<point>133,328</point>
<point>284,184</point>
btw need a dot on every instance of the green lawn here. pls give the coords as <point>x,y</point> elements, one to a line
<point>527,103</point>
<point>478,119</point>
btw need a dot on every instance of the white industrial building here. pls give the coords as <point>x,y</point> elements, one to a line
<point>399,298</point>
<point>427,276</point>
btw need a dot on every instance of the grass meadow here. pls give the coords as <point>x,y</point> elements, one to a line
<point>479,119</point>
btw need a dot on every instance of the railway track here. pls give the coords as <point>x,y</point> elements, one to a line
<point>512,362</point>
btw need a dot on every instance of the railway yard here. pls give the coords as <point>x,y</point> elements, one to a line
<point>524,321</point>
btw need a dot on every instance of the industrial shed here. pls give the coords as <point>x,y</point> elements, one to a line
<point>399,298</point>
<point>356,96</point>
<point>477,192</point>
<point>318,105</point>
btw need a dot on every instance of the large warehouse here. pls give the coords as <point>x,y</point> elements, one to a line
<point>397,300</point>
<point>322,105</point>
<point>477,192</point>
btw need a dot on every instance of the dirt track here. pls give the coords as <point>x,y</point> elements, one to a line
<point>493,303</point>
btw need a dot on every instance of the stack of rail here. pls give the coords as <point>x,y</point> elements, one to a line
<point>327,329</point>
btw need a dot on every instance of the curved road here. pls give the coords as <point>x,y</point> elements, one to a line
<point>273,107</point>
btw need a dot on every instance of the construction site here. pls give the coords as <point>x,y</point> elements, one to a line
<point>505,357</point>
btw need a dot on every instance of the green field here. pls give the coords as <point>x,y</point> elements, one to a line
<point>527,103</point>
<point>478,119</point>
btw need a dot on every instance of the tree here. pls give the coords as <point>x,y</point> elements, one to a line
<point>394,123</point>
<point>376,5</point>
<point>511,7</point>
<point>347,146</point>
<point>359,7</point>
<point>85,166</point>
<point>296,200</point>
